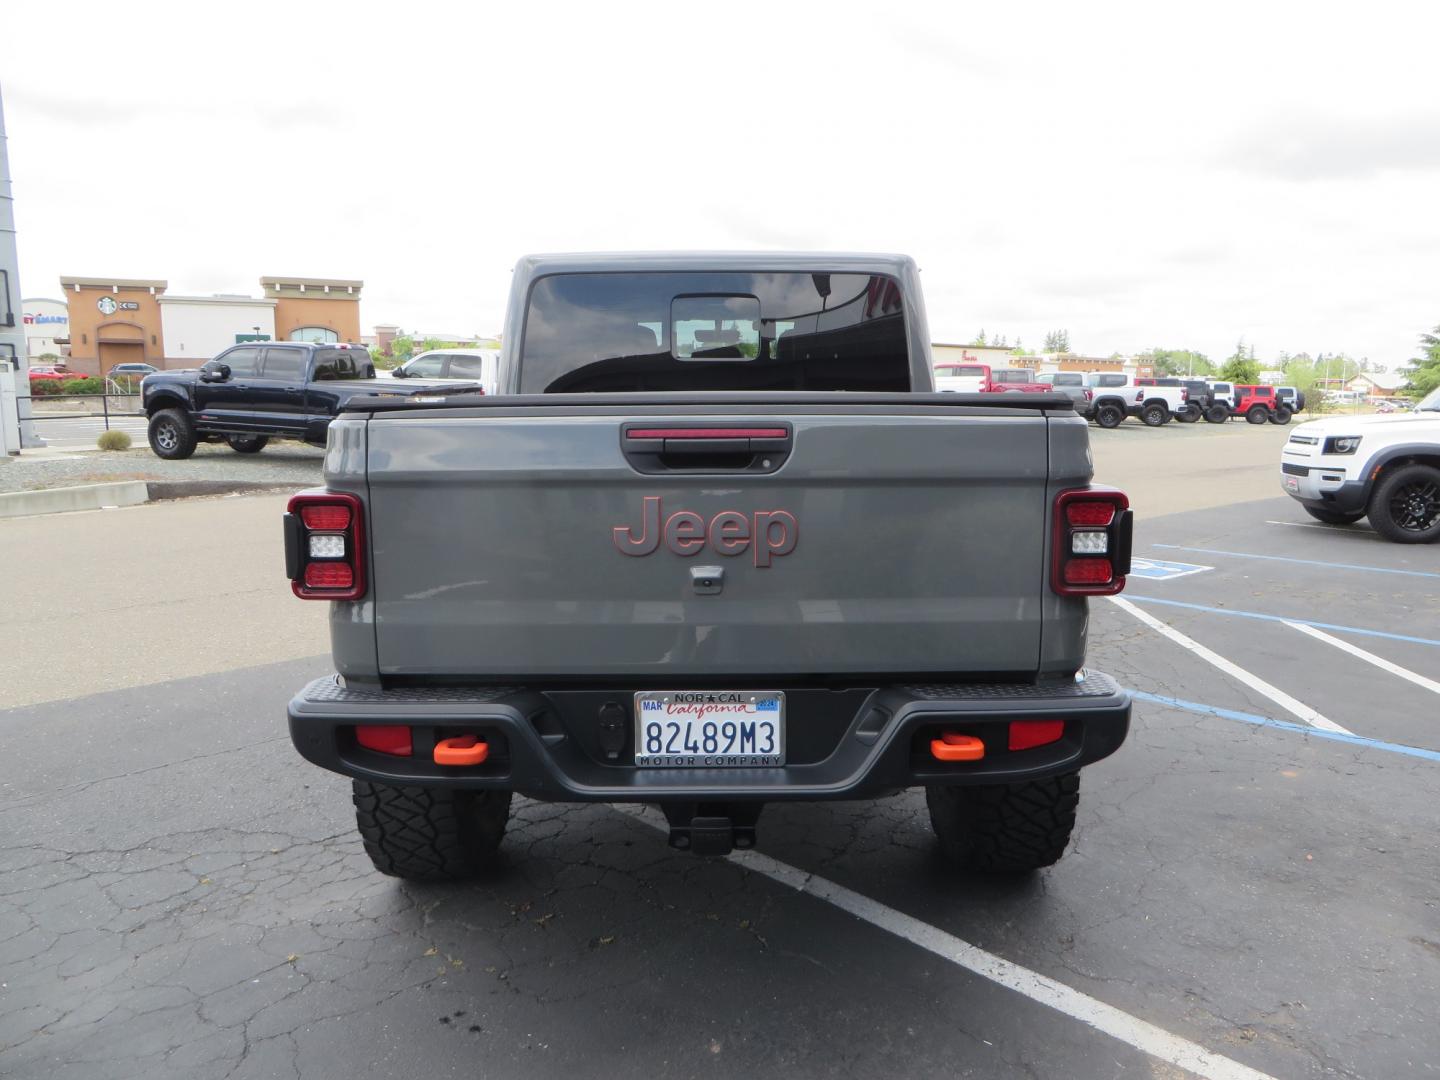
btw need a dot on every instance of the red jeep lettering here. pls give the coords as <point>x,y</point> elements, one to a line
<point>769,533</point>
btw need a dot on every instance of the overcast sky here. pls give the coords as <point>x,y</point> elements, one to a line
<point>1144,175</point>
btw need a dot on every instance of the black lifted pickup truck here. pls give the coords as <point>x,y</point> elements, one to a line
<point>250,394</point>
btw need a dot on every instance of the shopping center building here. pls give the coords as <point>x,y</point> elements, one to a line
<point>129,320</point>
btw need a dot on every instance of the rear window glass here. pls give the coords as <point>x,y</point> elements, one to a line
<point>955,371</point>
<point>1105,378</point>
<point>587,333</point>
<point>465,367</point>
<point>1010,375</point>
<point>342,363</point>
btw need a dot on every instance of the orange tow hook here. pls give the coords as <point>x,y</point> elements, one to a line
<point>461,750</point>
<point>952,747</point>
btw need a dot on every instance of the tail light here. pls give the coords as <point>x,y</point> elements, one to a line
<point>324,545</point>
<point>1092,532</point>
<point>1184,395</point>
<point>1089,395</point>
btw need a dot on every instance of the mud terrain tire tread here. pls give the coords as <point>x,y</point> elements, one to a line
<point>430,834</point>
<point>1005,828</point>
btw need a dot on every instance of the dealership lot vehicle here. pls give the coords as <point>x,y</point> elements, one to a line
<point>953,376</point>
<point>250,394</point>
<point>466,365</point>
<point>1384,467</point>
<point>738,505</point>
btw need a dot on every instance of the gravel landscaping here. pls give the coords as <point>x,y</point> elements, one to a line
<point>280,464</point>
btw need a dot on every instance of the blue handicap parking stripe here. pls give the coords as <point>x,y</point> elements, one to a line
<point>1285,725</point>
<point>1301,562</point>
<point>1285,619</point>
<point>1161,570</point>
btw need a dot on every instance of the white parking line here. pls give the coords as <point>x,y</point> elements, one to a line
<point>1235,671</point>
<point>1368,657</point>
<point>1311,525</point>
<point>1118,1024</point>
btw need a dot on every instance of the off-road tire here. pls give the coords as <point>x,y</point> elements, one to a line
<point>1217,414</point>
<point>171,434</point>
<point>1257,414</point>
<point>1334,517</point>
<point>1189,414</point>
<point>430,834</point>
<point>1004,828</point>
<point>1109,415</point>
<point>247,444</point>
<point>1281,415</point>
<point>1405,505</point>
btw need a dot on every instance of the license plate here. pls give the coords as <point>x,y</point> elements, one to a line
<point>709,729</point>
<point>1292,484</point>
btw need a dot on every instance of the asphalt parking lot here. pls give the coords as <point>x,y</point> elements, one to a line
<point>1254,888</point>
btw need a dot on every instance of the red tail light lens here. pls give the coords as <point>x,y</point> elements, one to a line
<point>324,545</point>
<point>1091,543</point>
<point>326,518</point>
<point>329,575</point>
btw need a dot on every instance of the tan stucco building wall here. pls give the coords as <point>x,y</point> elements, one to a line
<point>113,321</point>
<point>330,304</point>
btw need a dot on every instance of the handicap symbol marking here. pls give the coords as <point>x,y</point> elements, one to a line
<point>1160,570</point>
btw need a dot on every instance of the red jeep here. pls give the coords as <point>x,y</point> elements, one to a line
<point>1258,404</point>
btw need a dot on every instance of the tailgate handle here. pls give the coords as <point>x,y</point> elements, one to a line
<point>652,448</point>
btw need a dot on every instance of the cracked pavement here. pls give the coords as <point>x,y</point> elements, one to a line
<point>182,896</point>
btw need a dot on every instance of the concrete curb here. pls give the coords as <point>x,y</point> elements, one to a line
<point>125,493</point>
<point>81,497</point>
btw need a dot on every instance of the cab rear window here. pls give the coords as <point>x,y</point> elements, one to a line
<point>659,331</point>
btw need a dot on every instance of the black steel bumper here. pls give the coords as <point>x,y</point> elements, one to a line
<point>544,749</point>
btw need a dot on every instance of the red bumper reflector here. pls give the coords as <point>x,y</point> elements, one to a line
<point>1093,514</point>
<point>952,747</point>
<point>1088,572</point>
<point>1027,733</point>
<point>386,738</point>
<point>329,575</point>
<point>461,750</point>
<point>326,518</point>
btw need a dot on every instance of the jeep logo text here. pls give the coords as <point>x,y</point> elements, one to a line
<point>768,533</point>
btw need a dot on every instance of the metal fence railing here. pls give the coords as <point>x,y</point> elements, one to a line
<point>105,406</point>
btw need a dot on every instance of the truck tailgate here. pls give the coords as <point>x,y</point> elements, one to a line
<point>524,542</point>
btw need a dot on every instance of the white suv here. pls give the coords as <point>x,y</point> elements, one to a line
<point>1387,468</point>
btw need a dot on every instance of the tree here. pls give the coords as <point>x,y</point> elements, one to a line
<point>1424,370</point>
<point>402,348</point>
<point>1062,341</point>
<point>1241,369</point>
<point>1178,362</point>
<point>979,338</point>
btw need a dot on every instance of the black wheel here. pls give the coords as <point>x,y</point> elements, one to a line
<point>1189,414</point>
<point>1281,415</point>
<point>171,434</point>
<point>1405,505</point>
<point>1257,414</point>
<point>247,444</point>
<point>1109,415</point>
<point>1005,828</point>
<point>1217,414</point>
<point>1154,414</point>
<point>430,834</point>
<point>1334,517</point>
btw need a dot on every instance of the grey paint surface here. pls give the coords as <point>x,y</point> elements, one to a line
<point>921,548</point>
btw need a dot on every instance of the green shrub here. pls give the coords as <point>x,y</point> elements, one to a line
<point>113,439</point>
<point>85,384</point>
<point>44,387</point>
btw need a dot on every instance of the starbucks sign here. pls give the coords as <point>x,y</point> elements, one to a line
<point>108,305</point>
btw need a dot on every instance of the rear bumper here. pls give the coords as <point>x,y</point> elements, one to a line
<point>540,748</point>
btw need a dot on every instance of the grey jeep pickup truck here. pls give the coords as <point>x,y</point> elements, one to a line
<point>716,543</point>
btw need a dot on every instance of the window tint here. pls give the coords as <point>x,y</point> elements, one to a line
<point>955,371</point>
<point>337,364</point>
<point>1066,378</point>
<point>1010,375</point>
<point>286,364</point>
<point>660,331</point>
<point>466,367</point>
<point>425,367</point>
<point>241,361</point>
